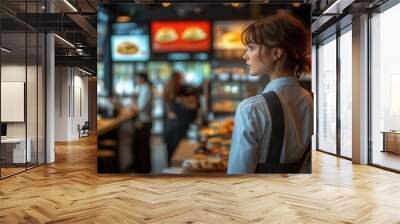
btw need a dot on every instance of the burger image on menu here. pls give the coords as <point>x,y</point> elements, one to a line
<point>166,35</point>
<point>127,48</point>
<point>194,33</point>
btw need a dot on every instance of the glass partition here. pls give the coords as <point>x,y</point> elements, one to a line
<point>22,89</point>
<point>346,93</point>
<point>14,145</point>
<point>327,96</point>
<point>385,89</point>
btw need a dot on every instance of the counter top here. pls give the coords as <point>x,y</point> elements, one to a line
<point>107,124</point>
<point>185,150</point>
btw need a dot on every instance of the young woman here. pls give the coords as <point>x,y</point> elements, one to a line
<point>272,132</point>
<point>180,110</point>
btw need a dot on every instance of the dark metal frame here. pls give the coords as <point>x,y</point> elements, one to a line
<point>37,95</point>
<point>0,94</point>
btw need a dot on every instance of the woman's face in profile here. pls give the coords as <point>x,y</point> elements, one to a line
<point>259,63</point>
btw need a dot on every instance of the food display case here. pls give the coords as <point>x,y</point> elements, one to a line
<point>226,90</point>
<point>209,153</point>
<point>226,96</point>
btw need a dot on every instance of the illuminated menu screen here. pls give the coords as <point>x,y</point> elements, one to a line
<point>130,48</point>
<point>227,34</point>
<point>180,36</point>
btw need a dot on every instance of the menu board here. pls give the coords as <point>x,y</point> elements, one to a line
<point>130,48</point>
<point>227,34</point>
<point>180,36</point>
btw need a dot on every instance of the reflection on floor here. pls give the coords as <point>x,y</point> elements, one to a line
<point>11,169</point>
<point>387,159</point>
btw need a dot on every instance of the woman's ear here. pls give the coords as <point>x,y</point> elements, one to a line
<point>278,53</point>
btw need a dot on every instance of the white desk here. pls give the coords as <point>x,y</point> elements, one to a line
<point>18,150</point>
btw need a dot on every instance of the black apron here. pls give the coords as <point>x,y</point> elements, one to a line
<point>273,164</point>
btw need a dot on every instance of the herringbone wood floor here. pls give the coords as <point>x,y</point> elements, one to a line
<point>70,191</point>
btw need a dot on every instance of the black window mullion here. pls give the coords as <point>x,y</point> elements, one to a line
<point>0,96</point>
<point>338,95</point>
<point>369,78</point>
<point>37,91</point>
<point>26,86</point>
<point>317,97</point>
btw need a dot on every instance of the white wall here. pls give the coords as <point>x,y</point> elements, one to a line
<point>50,96</point>
<point>33,127</point>
<point>71,102</point>
<point>17,73</point>
<point>360,90</point>
<point>61,103</point>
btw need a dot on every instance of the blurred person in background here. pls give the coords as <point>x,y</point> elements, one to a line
<point>272,132</point>
<point>180,109</point>
<point>143,106</point>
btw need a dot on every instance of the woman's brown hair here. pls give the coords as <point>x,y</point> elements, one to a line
<point>172,86</point>
<point>282,30</point>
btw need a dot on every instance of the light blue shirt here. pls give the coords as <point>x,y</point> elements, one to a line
<point>144,102</point>
<point>252,130</point>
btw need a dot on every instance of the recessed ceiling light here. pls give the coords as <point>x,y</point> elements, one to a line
<point>123,19</point>
<point>64,40</point>
<point>235,4</point>
<point>296,4</point>
<point>70,5</point>
<point>84,71</point>
<point>5,50</point>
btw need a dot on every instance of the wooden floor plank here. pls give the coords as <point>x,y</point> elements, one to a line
<point>70,191</point>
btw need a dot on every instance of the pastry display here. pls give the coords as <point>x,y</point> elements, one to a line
<point>166,35</point>
<point>212,153</point>
<point>223,107</point>
<point>127,48</point>
<point>193,33</point>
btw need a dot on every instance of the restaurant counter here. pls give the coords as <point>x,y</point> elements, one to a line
<point>115,142</point>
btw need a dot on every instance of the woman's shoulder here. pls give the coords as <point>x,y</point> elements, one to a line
<point>252,103</point>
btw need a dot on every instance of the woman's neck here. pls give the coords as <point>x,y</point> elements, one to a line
<point>275,75</point>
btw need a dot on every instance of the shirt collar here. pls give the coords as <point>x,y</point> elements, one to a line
<point>279,82</point>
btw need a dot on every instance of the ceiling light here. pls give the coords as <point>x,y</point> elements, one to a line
<point>166,4</point>
<point>235,4</point>
<point>84,71</point>
<point>338,6</point>
<point>65,41</point>
<point>70,5</point>
<point>5,50</point>
<point>296,4</point>
<point>123,19</point>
